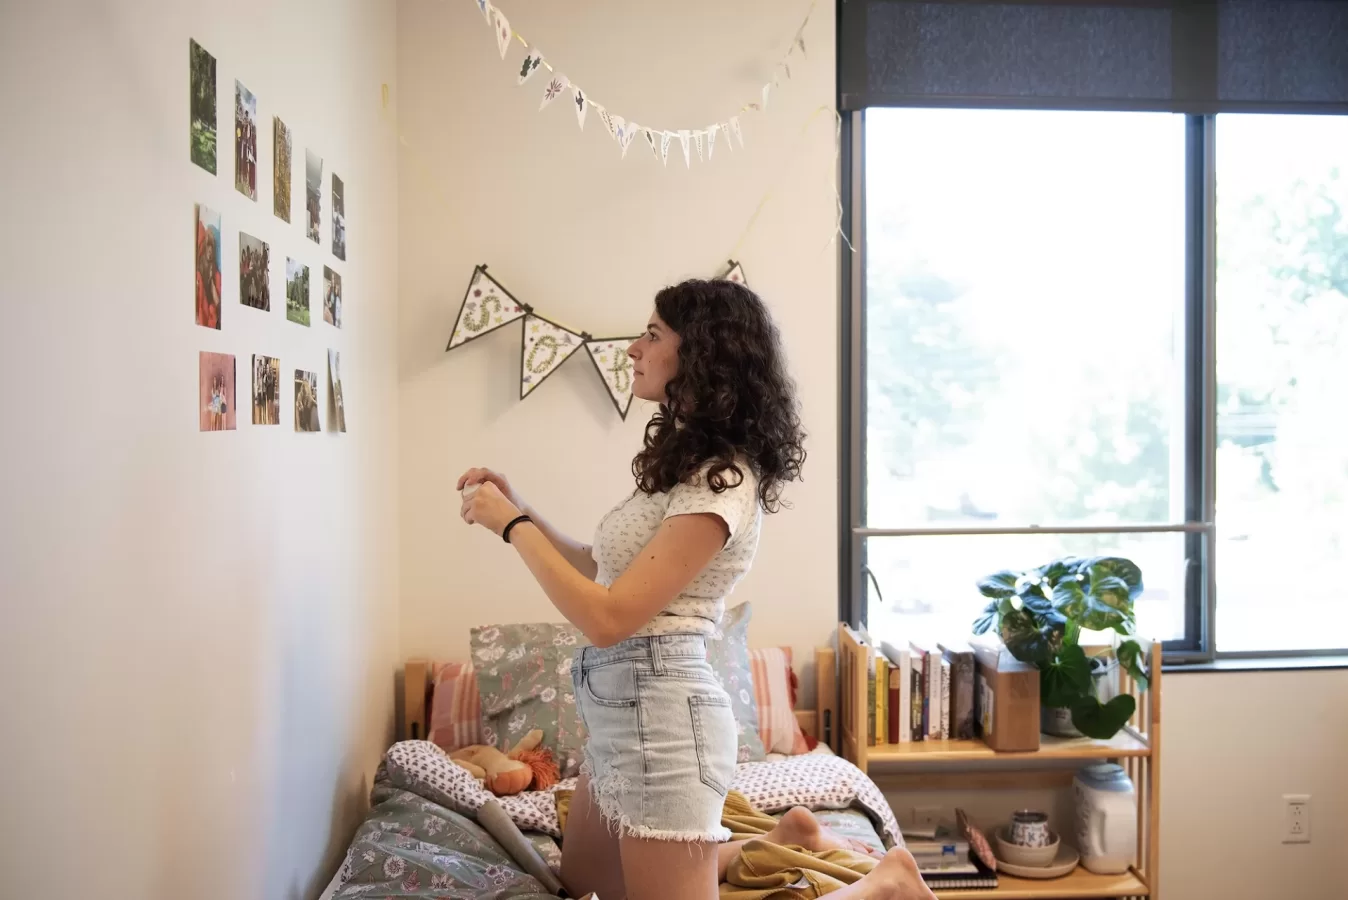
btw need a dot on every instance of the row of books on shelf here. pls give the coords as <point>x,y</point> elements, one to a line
<point>920,692</point>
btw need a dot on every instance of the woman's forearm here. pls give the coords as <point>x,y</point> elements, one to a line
<point>584,603</point>
<point>580,556</point>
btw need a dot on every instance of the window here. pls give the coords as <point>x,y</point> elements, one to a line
<point>1061,345</point>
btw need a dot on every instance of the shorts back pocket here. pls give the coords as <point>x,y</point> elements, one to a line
<point>714,739</point>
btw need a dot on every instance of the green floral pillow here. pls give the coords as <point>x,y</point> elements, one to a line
<point>524,682</point>
<point>729,658</point>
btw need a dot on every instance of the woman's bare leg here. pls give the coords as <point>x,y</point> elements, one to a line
<point>591,860</point>
<point>797,828</point>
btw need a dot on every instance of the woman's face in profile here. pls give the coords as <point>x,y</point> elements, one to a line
<point>655,360</point>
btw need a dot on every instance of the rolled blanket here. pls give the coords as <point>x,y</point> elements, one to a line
<point>764,871</point>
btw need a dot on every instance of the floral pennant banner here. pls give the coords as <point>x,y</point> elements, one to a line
<point>614,366</point>
<point>545,347</point>
<point>534,60</point>
<point>486,307</point>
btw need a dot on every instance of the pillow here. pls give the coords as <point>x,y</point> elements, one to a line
<point>775,694</point>
<point>456,712</point>
<point>524,682</point>
<point>728,654</point>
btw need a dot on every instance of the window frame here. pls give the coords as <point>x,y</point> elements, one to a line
<point>1198,646</point>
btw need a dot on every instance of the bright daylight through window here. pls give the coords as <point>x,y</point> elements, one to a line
<point>1024,363</point>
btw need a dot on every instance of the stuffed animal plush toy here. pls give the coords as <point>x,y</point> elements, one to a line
<point>509,773</point>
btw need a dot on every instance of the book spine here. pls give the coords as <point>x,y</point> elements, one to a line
<point>963,701</point>
<point>870,707</point>
<point>931,705</point>
<point>919,730</point>
<point>893,703</point>
<point>945,699</point>
<point>881,698</point>
<point>905,696</point>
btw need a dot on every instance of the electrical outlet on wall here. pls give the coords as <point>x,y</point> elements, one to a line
<point>1296,827</point>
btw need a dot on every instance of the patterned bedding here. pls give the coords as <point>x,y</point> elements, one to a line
<point>420,841</point>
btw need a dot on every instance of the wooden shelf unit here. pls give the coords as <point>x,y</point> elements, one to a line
<point>965,763</point>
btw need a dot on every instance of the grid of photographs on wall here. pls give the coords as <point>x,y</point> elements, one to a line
<point>215,217</point>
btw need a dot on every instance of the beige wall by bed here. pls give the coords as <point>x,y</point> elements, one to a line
<point>199,630</point>
<point>588,238</point>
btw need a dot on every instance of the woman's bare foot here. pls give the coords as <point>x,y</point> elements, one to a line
<point>894,878</point>
<point>799,828</point>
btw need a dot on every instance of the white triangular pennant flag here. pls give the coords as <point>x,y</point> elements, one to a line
<point>766,88</point>
<point>533,61</point>
<point>735,274</point>
<point>725,130</point>
<point>626,131</point>
<point>546,347</point>
<point>485,7</point>
<point>615,368</point>
<point>683,139</point>
<point>498,21</point>
<point>800,42</point>
<point>557,85</point>
<point>650,139</point>
<point>486,307</point>
<point>711,140</point>
<point>735,130</point>
<point>697,139</point>
<point>581,106</point>
<point>665,138</point>
<point>607,120</point>
<point>787,67</point>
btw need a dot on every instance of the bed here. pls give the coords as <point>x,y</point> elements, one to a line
<point>420,839</point>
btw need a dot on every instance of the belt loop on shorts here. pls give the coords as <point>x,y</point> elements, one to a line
<point>657,661</point>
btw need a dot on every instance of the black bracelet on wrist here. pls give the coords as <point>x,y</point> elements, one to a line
<point>505,532</point>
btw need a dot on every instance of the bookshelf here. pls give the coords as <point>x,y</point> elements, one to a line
<point>971,764</point>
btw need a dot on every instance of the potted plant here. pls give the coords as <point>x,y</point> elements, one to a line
<point>1040,615</point>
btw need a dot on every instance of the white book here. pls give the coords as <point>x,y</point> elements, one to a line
<point>945,698</point>
<point>933,673</point>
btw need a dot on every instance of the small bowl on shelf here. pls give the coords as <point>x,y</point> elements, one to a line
<point>1020,855</point>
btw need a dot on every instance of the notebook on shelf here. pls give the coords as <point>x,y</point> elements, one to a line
<point>973,876</point>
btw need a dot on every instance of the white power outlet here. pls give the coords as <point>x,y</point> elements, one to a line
<point>1296,818</point>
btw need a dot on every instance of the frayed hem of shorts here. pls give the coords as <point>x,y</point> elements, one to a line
<point>646,833</point>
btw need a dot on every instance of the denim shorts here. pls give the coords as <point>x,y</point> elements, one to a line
<point>662,743</point>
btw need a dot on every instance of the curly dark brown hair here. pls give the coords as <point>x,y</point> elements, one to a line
<point>730,401</point>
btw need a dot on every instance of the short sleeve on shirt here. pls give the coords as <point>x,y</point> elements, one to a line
<point>735,505</point>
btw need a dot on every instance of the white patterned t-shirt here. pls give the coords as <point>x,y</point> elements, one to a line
<point>632,524</point>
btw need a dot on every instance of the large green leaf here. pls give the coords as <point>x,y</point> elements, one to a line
<point>1102,720</point>
<point>999,585</point>
<point>1027,641</point>
<point>1065,679</point>
<point>1112,590</point>
<point>1053,572</point>
<point>1069,599</point>
<point>1130,655</point>
<point>1124,569</point>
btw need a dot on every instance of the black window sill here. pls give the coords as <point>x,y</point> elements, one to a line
<point>1258,664</point>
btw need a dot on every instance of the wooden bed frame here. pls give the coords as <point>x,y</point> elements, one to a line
<point>820,723</point>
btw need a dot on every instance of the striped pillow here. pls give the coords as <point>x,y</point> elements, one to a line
<point>456,712</point>
<point>775,695</point>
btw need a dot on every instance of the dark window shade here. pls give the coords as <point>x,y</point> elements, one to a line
<point>1164,55</point>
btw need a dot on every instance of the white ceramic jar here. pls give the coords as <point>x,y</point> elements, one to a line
<point>1106,826</point>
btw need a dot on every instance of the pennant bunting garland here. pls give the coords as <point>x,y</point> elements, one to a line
<point>580,107</point>
<point>725,130</point>
<point>503,31</point>
<point>615,368</point>
<point>557,84</point>
<point>486,307</point>
<point>545,345</point>
<point>626,131</point>
<point>532,61</point>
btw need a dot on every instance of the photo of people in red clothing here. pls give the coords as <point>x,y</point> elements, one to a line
<point>208,267</point>
<point>245,141</point>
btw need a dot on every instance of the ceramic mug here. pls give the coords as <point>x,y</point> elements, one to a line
<point>1029,828</point>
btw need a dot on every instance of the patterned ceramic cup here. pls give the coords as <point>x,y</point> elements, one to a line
<point>1029,828</point>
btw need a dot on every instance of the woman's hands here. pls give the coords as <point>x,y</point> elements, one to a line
<point>494,504</point>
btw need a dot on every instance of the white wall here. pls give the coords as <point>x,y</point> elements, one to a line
<point>199,630</point>
<point>588,238</point>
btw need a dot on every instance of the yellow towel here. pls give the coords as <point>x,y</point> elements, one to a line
<point>765,871</point>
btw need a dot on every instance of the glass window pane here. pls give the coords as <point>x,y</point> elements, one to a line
<point>1282,381</point>
<point>1024,317</point>
<point>929,583</point>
